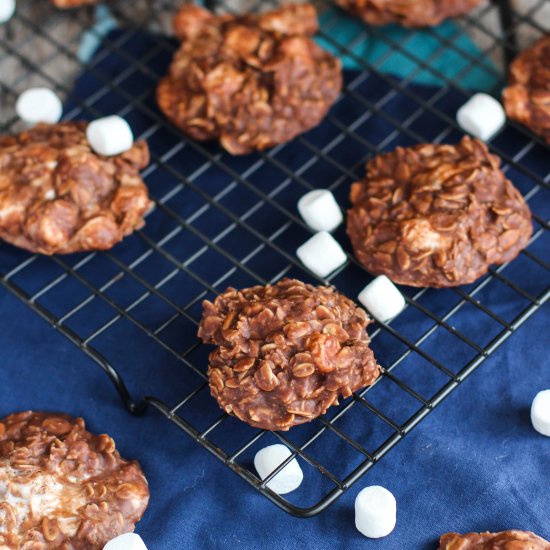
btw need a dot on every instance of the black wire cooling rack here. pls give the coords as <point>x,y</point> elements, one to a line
<point>221,221</point>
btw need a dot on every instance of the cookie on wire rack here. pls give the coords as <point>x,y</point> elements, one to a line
<point>252,81</point>
<point>437,215</point>
<point>62,487</point>
<point>66,4</point>
<point>58,196</point>
<point>285,352</point>
<point>408,13</point>
<point>527,97</point>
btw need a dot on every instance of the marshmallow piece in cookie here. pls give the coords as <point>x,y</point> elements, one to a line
<point>321,254</point>
<point>37,105</point>
<point>127,541</point>
<point>7,9</point>
<point>540,412</point>
<point>110,136</point>
<point>481,116</point>
<point>382,299</point>
<point>375,512</point>
<point>320,210</point>
<point>269,459</point>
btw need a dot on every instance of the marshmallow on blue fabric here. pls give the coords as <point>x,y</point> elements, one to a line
<point>382,299</point>
<point>128,541</point>
<point>39,105</point>
<point>320,210</point>
<point>375,512</point>
<point>321,254</point>
<point>7,9</point>
<point>540,412</point>
<point>482,116</point>
<point>269,459</point>
<point>110,136</point>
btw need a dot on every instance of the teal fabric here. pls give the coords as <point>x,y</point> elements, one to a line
<point>91,39</point>
<point>446,50</point>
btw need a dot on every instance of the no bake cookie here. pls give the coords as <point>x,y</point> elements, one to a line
<point>527,98</point>
<point>285,352</point>
<point>65,4</point>
<point>252,81</point>
<point>58,196</point>
<point>436,215</point>
<point>507,540</point>
<point>62,487</point>
<point>409,13</point>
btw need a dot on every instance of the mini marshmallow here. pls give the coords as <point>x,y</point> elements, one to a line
<point>128,541</point>
<point>39,105</point>
<point>7,9</point>
<point>375,512</point>
<point>321,254</point>
<point>540,412</point>
<point>320,210</point>
<point>482,116</point>
<point>382,299</point>
<point>110,136</point>
<point>269,459</point>
<point>50,195</point>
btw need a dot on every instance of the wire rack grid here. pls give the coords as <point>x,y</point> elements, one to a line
<point>220,221</point>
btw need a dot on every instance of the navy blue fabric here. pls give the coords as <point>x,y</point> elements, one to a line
<point>473,464</point>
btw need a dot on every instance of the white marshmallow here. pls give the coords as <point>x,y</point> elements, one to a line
<point>128,541</point>
<point>382,299</point>
<point>7,9</point>
<point>269,459</point>
<point>375,512</point>
<point>39,105</point>
<point>482,116</point>
<point>320,210</point>
<point>540,412</point>
<point>321,254</point>
<point>110,136</point>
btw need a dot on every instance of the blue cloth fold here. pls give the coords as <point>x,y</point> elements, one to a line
<point>473,464</point>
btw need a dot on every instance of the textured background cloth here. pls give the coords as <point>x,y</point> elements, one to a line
<point>473,464</point>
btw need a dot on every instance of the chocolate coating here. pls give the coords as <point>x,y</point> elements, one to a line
<point>62,487</point>
<point>507,540</point>
<point>286,352</point>
<point>527,98</point>
<point>253,81</point>
<point>436,215</point>
<point>409,13</point>
<point>58,196</point>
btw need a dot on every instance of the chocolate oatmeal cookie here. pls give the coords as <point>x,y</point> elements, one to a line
<point>65,4</point>
<point>253,81</point>
<point>507,540</point>
<point>63,488</point>
<point>527,98</point>
<point>409,13</point>
<point>436,215</point>
<point>286,352</point>
<point>58,196</point>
